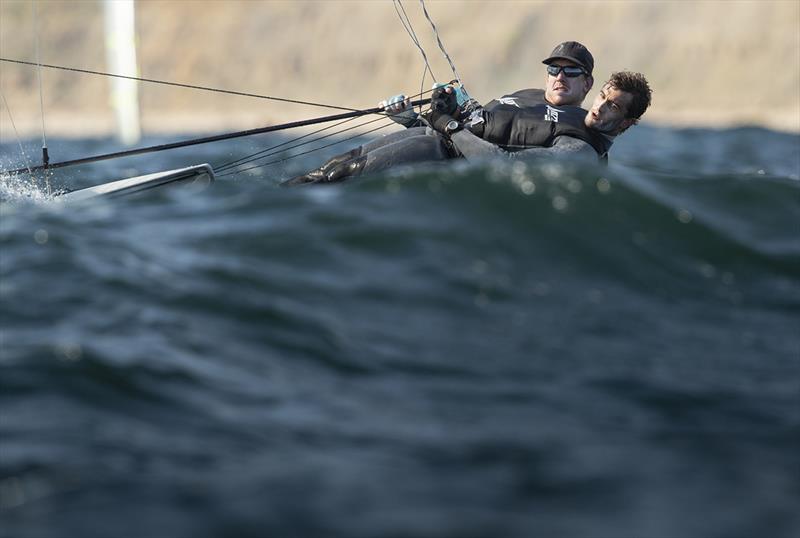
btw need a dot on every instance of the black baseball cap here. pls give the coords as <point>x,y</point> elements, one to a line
<point>574,52</point>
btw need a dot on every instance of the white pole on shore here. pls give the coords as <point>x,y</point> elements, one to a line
<point>120,34</point>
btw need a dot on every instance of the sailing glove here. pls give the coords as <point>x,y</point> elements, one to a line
<point>461,93</point>
<point>398,107</point>
<point>443,101</point>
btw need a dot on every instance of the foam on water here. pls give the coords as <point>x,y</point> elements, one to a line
<point>22,187</point>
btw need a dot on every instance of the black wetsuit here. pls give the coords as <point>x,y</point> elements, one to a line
<point>522,123</point>
<point>525,119</point>
<point>413,145</point>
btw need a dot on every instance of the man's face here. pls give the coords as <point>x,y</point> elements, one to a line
<point>609,110</point>
<point>563,90</point>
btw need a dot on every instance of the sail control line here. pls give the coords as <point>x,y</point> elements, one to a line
<point>174,84</point>
<point>441,47</point>
<point>45,154</point>
<point>408,27</point>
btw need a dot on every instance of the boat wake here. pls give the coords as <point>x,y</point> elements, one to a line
<point>15,188</point>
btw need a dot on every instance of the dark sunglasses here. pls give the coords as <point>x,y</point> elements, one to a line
<point>570,71</point>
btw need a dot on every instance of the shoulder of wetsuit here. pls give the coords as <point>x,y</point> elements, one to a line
<point>520,99</point>
<point>529,93</point>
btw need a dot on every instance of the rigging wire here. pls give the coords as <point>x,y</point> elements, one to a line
<point>16,134</point>
<point>255,156</point>
<point>260,154</point>
<point>178,84</point>
<point>441,47</point>
<point>406,22</point>
<point>274,149</point>
<point>410,30</point>
<point>307,152</point>
<point>39,69</point>
<point>45,155</point>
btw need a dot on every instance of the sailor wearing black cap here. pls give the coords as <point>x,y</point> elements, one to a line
<point>543,130</point>
<point>569,74</point>
<point>500,122</point>
<point>546,122</point>
<point>568,79</point>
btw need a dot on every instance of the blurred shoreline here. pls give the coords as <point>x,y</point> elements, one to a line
<point>704,60</point>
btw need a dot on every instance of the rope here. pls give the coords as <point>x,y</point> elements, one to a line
<point>177,84</point>
<point>410,31</point>
<point>306,152</point>
<point>254,156</point>
<point>45,155</point>
<point>441,47</point>
<point>39,68</point>
<point>260,154</point>
<point>216,138</point>
<point>16,134</point>
<point>270,151</point>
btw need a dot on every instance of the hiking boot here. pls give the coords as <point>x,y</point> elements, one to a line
<point>320,175</point>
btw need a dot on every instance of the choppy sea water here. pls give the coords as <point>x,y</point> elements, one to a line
<point>459,350</point>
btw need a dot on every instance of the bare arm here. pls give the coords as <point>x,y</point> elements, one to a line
<point>564,147</point>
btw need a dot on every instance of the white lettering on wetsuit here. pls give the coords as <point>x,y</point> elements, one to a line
<point>508,101</point>
<point>551,114</point>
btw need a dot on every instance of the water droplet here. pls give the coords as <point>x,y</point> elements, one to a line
<point>480,267</point>
<point>519,167</point>
<point>552,171</point>
<point>559,203</point>
<point>708,270</point>
<point>528,187</point>
<point>574,186</point>
<point>40,236</point>
<point>595,296</point>
<point>11,493</point>
<point>481,300</point>
<point>69,351</point>
<point>541,289</point>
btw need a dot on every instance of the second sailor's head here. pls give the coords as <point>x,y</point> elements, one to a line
<point>621,102</point>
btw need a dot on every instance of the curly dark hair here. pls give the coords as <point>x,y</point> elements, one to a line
<point>635,84</point>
